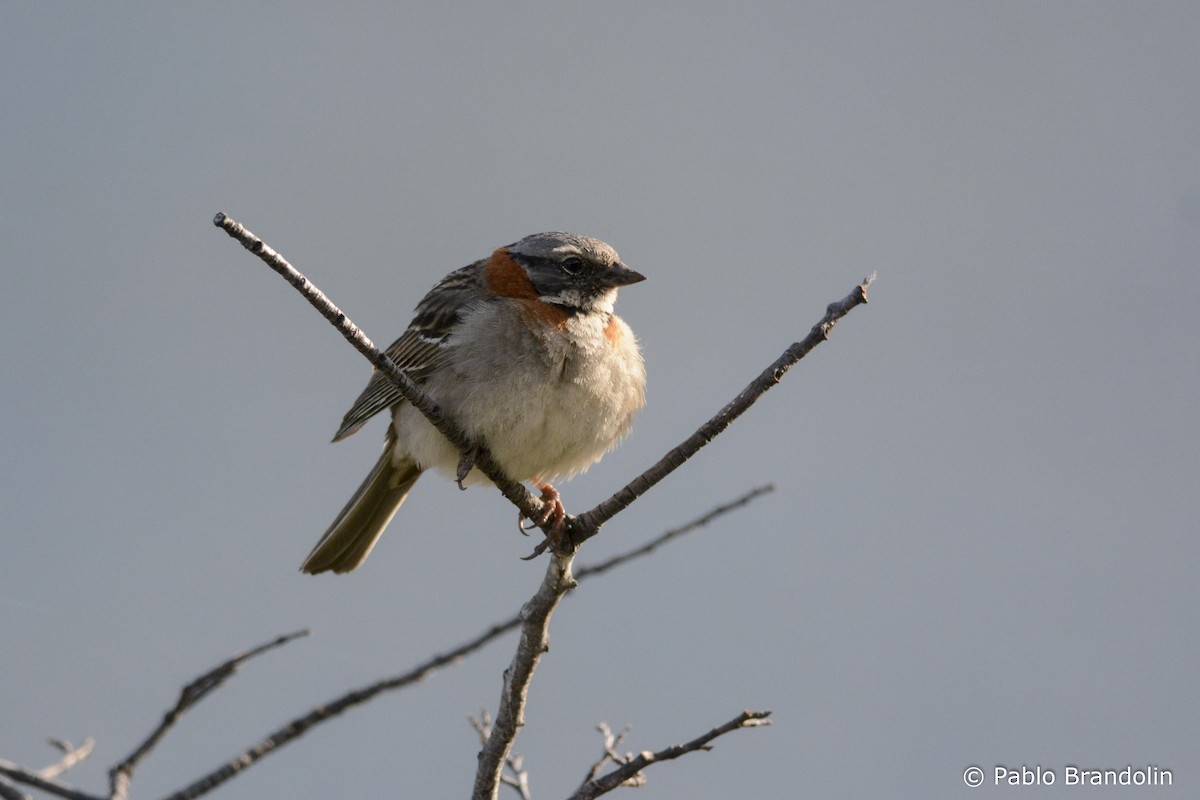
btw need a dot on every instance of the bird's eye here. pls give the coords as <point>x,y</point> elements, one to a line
<point>572,265</point>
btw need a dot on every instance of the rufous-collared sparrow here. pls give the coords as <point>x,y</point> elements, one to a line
<point>523,352</point>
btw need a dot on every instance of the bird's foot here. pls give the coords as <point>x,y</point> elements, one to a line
<point>553,514</point>
<point>466,462</point>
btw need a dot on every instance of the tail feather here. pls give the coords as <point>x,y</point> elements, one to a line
<point>350,538</point>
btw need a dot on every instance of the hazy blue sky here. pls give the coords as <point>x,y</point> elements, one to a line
<point>984,545</point>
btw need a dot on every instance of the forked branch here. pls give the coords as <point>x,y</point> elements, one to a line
<point>629,768</point>
<point>121,774</point>
<point>193,693</point>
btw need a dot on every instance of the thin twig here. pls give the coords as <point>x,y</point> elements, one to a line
<point>652,545</point>
<point>587,524</point>
<point>45,778</point>
<point>51,785</point>
<point>517,494</point>
<point>321,713</point>
<point>515,774</point>
<point>120,775</point>
<point>72,755</point>
<point>610,755</point>
<point>632,767</point>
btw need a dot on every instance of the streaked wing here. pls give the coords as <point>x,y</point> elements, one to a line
<point>419,350</point>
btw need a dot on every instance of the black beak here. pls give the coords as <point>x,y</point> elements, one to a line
<point>620,275</point>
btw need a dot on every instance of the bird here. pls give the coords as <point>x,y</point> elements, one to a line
<point>523,352</point>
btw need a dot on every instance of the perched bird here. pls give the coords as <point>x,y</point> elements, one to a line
<point>523,352</point>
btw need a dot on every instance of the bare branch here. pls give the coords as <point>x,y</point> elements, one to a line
<point>610,755</point>
<point>535,638</point>
<point>516,492</point>
<point>588,524</point>
<point>652,545</point>
<point>44,778</point>
<point>120,775</point>
<point>515,774</point>
<point>630,768</point>
<point>72,755</point>
<point>301,725</point>
<point>534,641</point>
<point>51,785</point>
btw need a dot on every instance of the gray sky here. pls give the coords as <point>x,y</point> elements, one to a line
<point>983,549</point>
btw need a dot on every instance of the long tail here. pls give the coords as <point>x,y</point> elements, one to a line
<point>350,538</point>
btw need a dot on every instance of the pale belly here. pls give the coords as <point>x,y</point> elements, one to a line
<point>533,429</point>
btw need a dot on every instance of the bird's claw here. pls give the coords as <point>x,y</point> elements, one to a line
<point>553,514</point>
<point>466,462</point>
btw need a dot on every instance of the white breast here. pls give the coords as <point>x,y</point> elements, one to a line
<point>546,406</point>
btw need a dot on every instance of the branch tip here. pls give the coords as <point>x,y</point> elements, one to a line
<point>588,523</point>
